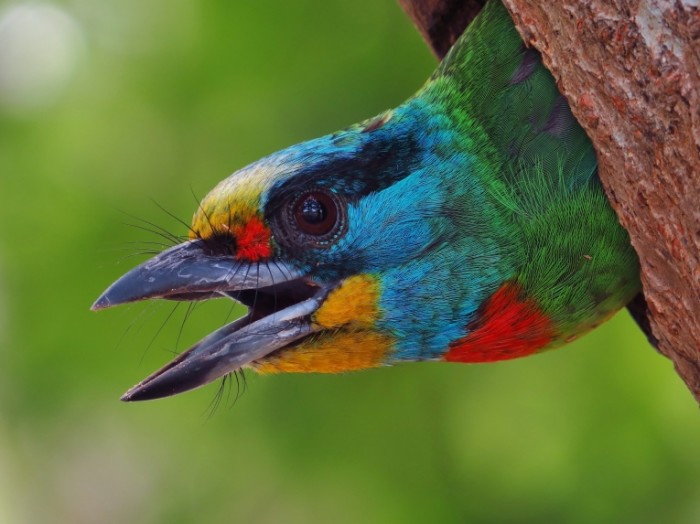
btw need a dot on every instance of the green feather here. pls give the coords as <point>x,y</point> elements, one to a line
<point>550,214</point>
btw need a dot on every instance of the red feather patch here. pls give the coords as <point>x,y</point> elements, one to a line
<point>252,241</point>
<point>506,328</point>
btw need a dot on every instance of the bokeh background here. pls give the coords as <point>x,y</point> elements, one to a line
<point>109,105</point>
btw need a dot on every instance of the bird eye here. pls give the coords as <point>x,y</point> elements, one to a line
<point>315,213</point>
<point>316,218</point>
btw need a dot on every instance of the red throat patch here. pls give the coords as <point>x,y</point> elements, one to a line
<point>252,241</point>
<point>507,327</point>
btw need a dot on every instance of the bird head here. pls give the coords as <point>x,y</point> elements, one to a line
<point>465,225</point>
<point>327,243</point>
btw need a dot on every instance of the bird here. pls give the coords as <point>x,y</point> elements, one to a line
<point>467,224</point>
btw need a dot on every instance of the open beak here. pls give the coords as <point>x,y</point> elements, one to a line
<point>281,302</point>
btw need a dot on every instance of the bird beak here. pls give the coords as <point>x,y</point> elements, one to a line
<point>187,272</point>
<point>280,299</point>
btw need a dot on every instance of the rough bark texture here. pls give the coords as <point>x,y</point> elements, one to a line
<point>631,72</point>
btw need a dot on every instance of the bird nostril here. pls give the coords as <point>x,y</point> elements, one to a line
<point>248,242</point>
<point>220,243</point>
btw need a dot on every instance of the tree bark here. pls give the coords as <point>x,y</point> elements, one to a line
<point>630,70</point>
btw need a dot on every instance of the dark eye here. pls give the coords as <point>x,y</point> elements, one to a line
<point>315,213</point>
<point>315,218</point>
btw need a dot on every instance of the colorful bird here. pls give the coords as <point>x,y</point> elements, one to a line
<point>466,225</point>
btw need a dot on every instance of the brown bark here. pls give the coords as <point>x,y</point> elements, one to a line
<point>631,72</point>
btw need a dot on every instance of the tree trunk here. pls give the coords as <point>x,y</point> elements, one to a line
<point>630,70</point>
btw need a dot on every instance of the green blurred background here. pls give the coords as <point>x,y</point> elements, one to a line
<point>108,104</point>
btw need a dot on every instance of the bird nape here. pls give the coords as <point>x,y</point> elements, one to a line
<point>466,225</point>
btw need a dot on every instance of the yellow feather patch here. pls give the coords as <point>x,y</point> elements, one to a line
<point>225,208</point>
<point>354,302</point>
<point>330,353</point>
<point>348,313</point>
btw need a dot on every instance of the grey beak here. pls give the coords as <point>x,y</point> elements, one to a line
<point>188,270</point>
<point>227,350</point>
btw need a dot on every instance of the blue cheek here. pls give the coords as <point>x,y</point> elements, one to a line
<point>431,287</point>
<point>429,302</point>
<point>421,311</point>
<point>393,226</point>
